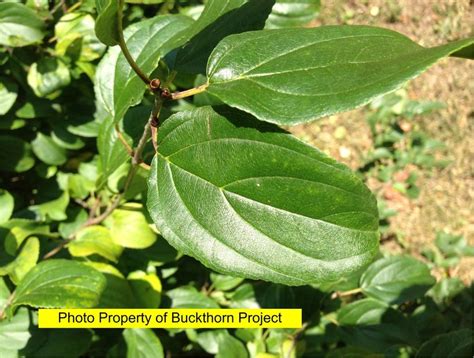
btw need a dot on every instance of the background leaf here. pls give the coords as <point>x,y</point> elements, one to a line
<point>142,343</point>
<point>396,279</point>
<point>60,284</point>
<point>19,25</point>
<point>106,25</point>
<point>293,13</point>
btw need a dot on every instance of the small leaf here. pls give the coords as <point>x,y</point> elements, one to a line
<point>225,283</point>
<point>24,262</point>
<point>15,155</point>
<point>142,343</point>
<point>230,347</point>
<point>293,13</point>
<point>189,297</point>
<point>7,204</point>
<point>8,94</point>
<point>129,228</point>
<point>14,333</point>
<point>396,279</point>
<point>252,201</point>
<point>117,85</point>
<point>95,240</point>
<point>76,38</point>
<point>60,284</point>
<point>20,229</point>
<point>291,76</point>
<point>19,25</point>
<point>107,22</point>
<point>218,20</point>
<point>52,210</point>
<point>146,287</point>
<point>47,76</point>
<point>47,150</point>
<point>450,345</point>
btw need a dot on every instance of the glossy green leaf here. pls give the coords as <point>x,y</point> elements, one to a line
<point>250,200</point>
<point>117,85</point>
<point>24,262</point>
<point>7,204</point>
<point>450,345</point>
<point>142,343</point>
<point>19,25</point>
<point>129,227</point>
<point>396,279</point>
<point>8,94</point>
<point>47,150</point>
<point>219,19</point>
<point>292,76</point>
<point>293,13</point>
<point>107,22</point>
<point>60,283</point>
<point>230,347</point>
<point>16,155</point>
<point>95,240</point>
<point>47,76</point>
<point>76,37</point>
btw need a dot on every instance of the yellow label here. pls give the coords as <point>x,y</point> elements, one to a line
<point>170,318</point>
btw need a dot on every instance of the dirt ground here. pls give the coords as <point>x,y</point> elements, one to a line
<point>447,196</point>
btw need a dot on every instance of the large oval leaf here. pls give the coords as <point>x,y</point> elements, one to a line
<point>60,283</point>
<point>107,22</point>
<point>297,75</point>
<point>117,85</point>
<point>256,202</point>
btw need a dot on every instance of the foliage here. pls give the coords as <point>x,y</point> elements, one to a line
<point>117,162</point>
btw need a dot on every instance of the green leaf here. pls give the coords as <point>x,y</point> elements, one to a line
<point>230,347</point>
<point>189,297</point>
<point>64,343</point>
<point>396,279</point>
<point>14,333</point>
<point>24,262</point>
<point>47,76</point>
<point>292,76</point>
<point>15,155</point>
<point>450,345</point>
<point>47,150</point>
<point>144,2</point>
<point>129,227</point>
<point>76,38</point>
<point>250,200</point>
<point>117,85</point>
<point>293,13</point>
<point>8,94</point>
<point>374,325</point>
<point>95,240</point>
<point>225,283</point>
<point>453,245</point>
<point>61,284</point>
<point>142,343</point>
<point>7,203</point>
<point>52,210</point>
<point>107,22</point>
<point>146,287</point>
<point>19,25</point>
<point>17,230</point>
<point>219,20</point>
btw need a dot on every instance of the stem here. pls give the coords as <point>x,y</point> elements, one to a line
<point>190,92</point>
<point>350,292</point>
<point>124,48</point>
<point>6,305</point>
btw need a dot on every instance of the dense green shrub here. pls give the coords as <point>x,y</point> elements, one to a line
<point>117,162</point>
